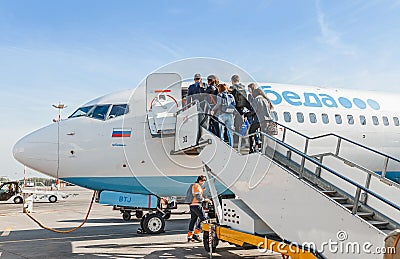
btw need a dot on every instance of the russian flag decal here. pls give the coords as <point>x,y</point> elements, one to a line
<point>121,133</point>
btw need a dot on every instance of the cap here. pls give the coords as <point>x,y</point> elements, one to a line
<point>197,76</point>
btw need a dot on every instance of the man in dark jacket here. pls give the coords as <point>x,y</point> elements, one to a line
<point>196,90</point>
<point>239,92</point>
<point>212,93</point>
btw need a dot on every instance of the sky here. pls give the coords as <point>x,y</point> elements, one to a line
<point>74,51</point>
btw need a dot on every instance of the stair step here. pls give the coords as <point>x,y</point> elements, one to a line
<point>349,206</point>
<point>330,193</point>
<point>340,199</point>
<point>365,214</point>
<point>378,224</point>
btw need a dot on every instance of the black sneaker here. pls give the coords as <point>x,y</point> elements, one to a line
<point>196,237</point>
<point>189,239</point>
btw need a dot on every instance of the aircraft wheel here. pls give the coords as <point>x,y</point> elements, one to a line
<point>52,198</point>
<point>206,242</point>
<point>154,224</point>
<point>126,215</point>
<point>139,214</point>
<point>18,200</point>
<point>142,221</point>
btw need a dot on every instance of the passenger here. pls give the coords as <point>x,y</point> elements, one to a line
<point>225,108</point>
<point>196,90</point>
<point>251,114</point>
<point>242,104</point>
<point>212,93</point>
<point>194,195</point>
<point>262,107</point>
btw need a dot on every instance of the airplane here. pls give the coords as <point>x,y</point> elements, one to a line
<point>122,142</point>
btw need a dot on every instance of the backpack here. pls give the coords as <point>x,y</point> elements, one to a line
<point>228,103</point>
<point>240,97</point>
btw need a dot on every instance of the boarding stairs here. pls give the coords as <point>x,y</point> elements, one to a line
<point>304,194</point>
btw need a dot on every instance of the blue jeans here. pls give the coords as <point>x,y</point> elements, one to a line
<point>227,119</point>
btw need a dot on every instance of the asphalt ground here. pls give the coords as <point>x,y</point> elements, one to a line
<point>105,235</point>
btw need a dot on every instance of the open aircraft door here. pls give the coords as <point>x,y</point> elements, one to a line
<point>163,100</point>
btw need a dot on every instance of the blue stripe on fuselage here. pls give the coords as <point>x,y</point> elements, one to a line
<point>160,186</point>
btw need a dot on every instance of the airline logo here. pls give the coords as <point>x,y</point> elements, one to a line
<point>121,133</point>
<point>320,100</point>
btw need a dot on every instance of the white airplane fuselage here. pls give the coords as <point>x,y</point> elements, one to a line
<point>119,153</point>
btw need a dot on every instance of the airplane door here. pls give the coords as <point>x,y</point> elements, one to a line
<point>163,100</point>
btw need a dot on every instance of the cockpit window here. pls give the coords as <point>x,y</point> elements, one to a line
<point>118,110</point>
<point>99,112</point>
<point>82,111</point>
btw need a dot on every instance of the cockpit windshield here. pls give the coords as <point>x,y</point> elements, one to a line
<point>118,110</point>
<point>82,111</point>
<point>101,112</point>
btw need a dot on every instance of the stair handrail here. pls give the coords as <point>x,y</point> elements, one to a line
<point>316,162</point>
<point>340,137</point>
<point>338,145</point>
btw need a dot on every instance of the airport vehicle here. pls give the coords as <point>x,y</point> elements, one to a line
<point>353,135</point>
<point>11,191</point>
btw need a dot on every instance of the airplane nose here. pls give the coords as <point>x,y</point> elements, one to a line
<point>39,150</point>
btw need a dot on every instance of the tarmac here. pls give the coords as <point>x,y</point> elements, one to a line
<point>105,234</point>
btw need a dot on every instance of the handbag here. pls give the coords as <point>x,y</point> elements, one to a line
<point>244,127</point>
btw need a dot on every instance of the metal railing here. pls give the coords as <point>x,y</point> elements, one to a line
<point>340,139</point>
<point>311,159</point>
<point>207,117</point>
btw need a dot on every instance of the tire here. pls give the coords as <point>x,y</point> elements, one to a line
<point>139,214</point>
<point>126,215</point>
<point>18,200</point>
<point>207,245</point>
<point>52,198</point>
<point>154,224</point>
<point>142,221</point>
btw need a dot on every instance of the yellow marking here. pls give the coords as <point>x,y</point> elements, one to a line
<point>6,231</point>
<point>240,238</point>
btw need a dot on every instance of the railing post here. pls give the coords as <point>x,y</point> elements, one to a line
<point>318,169</point>
<point>284,134</point>
<point>364,196</point>
<point>239,144</point>
<point>356,200</point>
<point>338,146</point>
<point>303,160</point>
<point>385,165</point>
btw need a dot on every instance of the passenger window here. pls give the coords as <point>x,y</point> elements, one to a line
<point>313,118</point>
<point>274,116</point>
<point>338,118</point>
<point>82,111</point>
<point>300,117</point>
<point>99,112</point>
<point>385,121</point>
<point>375,120</point>
<point>287,116</point>
<point>325,118</point>
<point>118,110</point>
<point>363,120</point>
<point>396,121</point>
<point>350,119</point>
